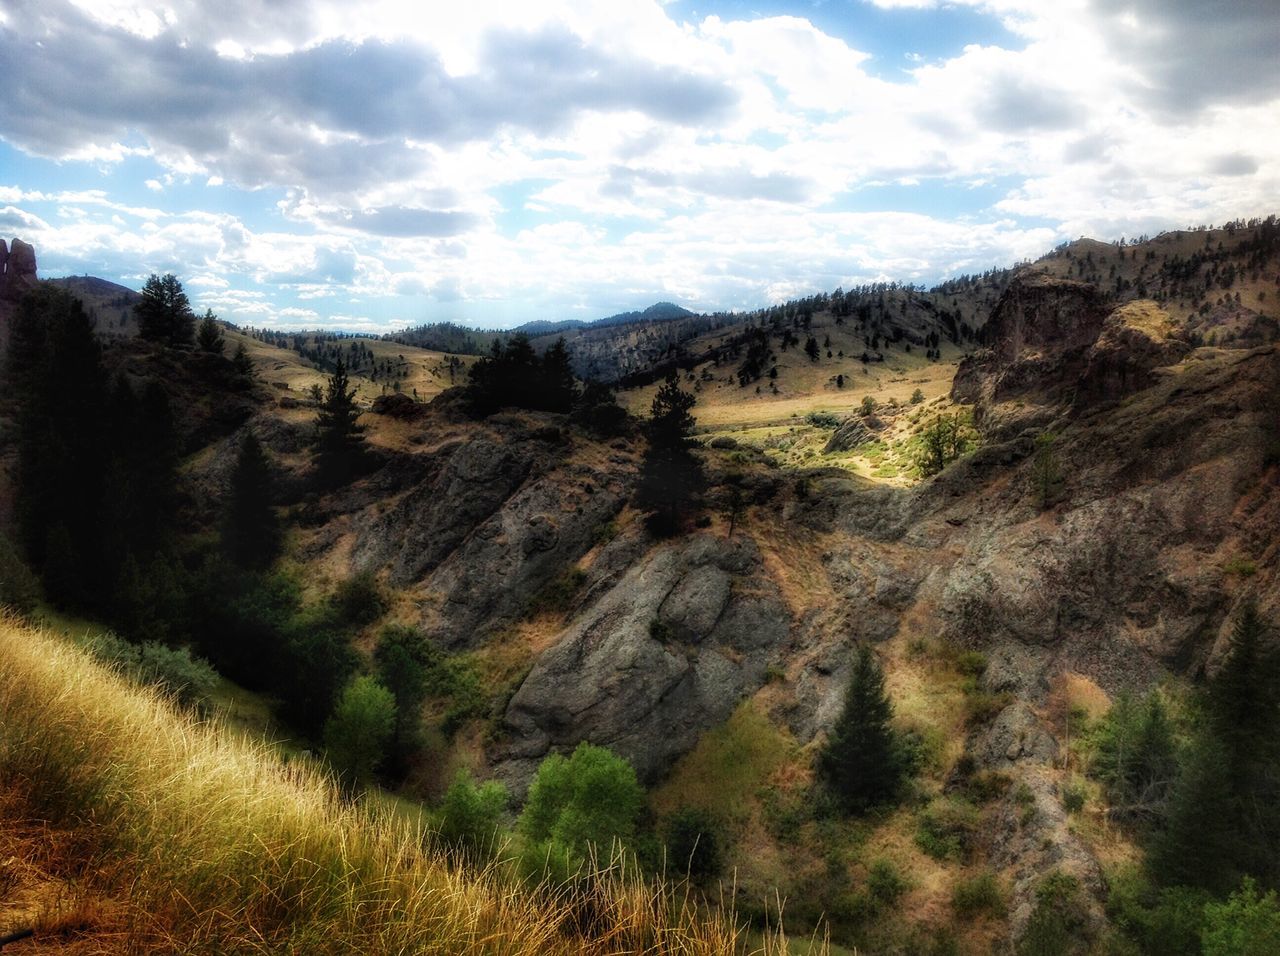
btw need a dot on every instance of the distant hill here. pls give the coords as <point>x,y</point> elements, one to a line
<point>109,303</point>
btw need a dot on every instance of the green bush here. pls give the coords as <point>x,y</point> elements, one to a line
<point>694,841</point>
<point>823,420</point>
<point>361,726</point>
<point>1245,925</point>
<point>1073,796</point>
<point>946,829</point>
<point>470,817</point>
<point>980,893</point>
<point>1058,917</point>
<point>359,600</point>
<point>885,883</point>
<point>589,799</point>
<point>189,679</point>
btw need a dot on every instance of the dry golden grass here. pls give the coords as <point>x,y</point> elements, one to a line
<point>177,835</point>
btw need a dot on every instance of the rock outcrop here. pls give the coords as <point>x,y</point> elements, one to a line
<point>667,653</point>
<point>854,431</point>
<point>17,275</point>
<point>1054,343</point>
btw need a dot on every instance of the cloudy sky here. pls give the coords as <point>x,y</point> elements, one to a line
<point>305,163</point>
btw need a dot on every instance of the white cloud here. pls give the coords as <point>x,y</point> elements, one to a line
<point>563,153</point>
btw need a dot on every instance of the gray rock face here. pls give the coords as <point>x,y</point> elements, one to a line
<point>491,577</point>
<point>471,481</point>
<point>854,431</point>
<point>667,653</point>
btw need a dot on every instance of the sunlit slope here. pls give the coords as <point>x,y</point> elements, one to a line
<point>160,833</point>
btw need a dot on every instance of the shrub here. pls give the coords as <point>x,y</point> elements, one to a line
<point>357,734</point>
<point>885,883</point>
<point>946,829</point>
<point>868,406</point>
<point>470,817</point>
<point>980,893</point>
<point>189,679</point>
<point>359,600</point>
<point>1073,796</point>
<point>1245,925</point>
<point>590,798</point>
<point>1056,921</point>
<point>823,420</point>
<point>694,843</point>
<point>917,397</point>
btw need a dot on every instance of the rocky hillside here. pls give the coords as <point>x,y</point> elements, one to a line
<point>1162,519</point>
<point>1120,507</point>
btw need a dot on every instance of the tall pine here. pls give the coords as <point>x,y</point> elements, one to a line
<point>862,762</point>
<point>670,475</point>
<point>164,312</point>
<point>339,443</point>
<point>251,533</point>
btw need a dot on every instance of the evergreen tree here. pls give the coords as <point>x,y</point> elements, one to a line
<point>402,657</point>
<point>339,443</point>
<point>561,388</point>
<point>164,313</point>
<point>60,390</point>
<point>670,475</point>
<point>251,533</point>
<point>241,362</point>
<point>209,334</point>
<point>1224,817</point>
<point>862,761</point>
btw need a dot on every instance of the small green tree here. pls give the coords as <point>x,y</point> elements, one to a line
<point>209,334</point>
<point>586,800</point>
<point>405,662</point>
<point>868,406</point>
<point>357,733</point>
<point>862,761</point>
<point>339,442</point>
<point>694,843</point>
<point>917,397</point>
<point>941,442</point>
<point>470,817</point>
<point>241,363</point>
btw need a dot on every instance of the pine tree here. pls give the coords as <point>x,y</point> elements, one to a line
<point>164,312</point>
<point>670,475</point>
<point>251,533</point>
<point>862,762</point>
<point>339,443</point>
<point>560,388</point>
<point>209,334</point>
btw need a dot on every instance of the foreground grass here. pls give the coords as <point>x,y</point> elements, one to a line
<point>184,837</point>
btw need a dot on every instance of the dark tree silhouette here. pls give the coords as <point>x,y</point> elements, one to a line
<point>251,533</point>
<point>209,334</point>
<point>164,313</point>
<point>861,761</point>
<point>339,442</point>
<point>670,475</point>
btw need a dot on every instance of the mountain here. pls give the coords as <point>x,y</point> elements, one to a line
<point>1037,495</point>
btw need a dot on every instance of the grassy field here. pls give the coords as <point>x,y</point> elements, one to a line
<point>126,826</point>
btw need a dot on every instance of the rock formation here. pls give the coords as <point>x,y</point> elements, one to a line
<point>18,267</point>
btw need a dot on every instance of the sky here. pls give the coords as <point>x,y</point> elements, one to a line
<point>368,166</point>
